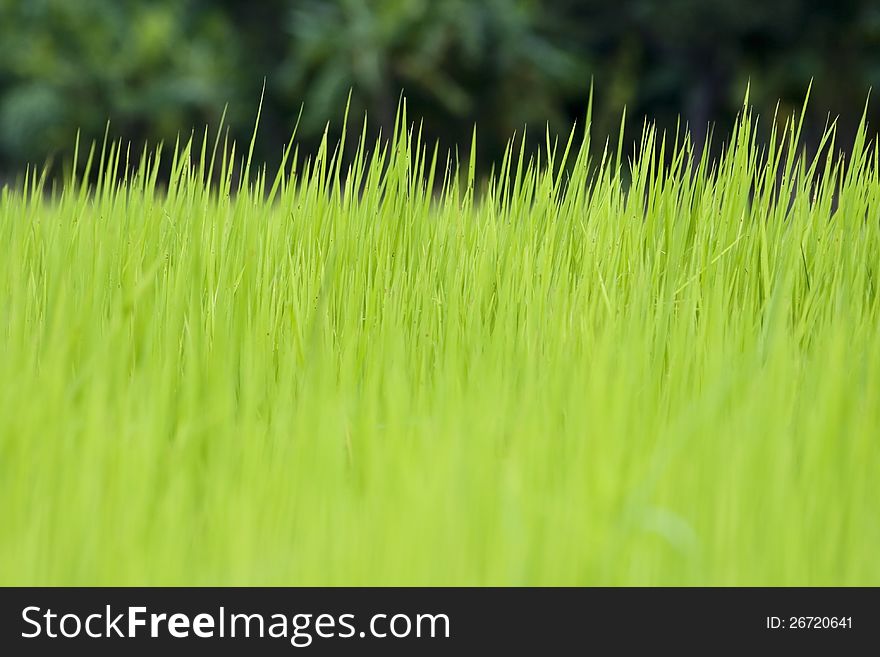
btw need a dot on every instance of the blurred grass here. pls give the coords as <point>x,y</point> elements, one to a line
<point>336,376</point>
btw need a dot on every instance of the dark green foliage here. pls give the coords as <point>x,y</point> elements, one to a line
<point>150,68</point>
<point>157,67</point>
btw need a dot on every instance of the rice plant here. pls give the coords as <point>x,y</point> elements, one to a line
<point>649,367</point>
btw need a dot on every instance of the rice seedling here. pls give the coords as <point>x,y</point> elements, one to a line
<point>646,368</point>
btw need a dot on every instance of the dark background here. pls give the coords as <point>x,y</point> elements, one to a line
<point>158,67</point>
<point>483,620</point>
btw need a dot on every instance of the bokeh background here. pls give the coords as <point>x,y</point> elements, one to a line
<point>154,68</point>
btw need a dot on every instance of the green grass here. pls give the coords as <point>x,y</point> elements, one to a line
<point>608,371</point>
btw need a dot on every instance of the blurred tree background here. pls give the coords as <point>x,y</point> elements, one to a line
<point>157,67</point>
